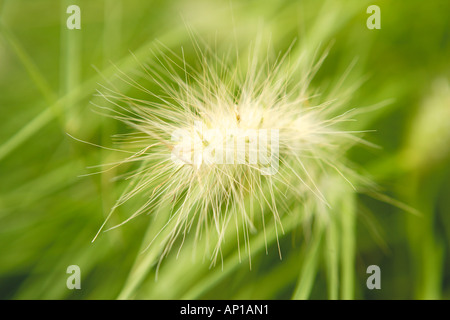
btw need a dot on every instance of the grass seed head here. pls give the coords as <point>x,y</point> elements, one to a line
<point>228,143</point>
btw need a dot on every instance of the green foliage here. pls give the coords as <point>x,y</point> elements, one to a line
<point>49,214</point>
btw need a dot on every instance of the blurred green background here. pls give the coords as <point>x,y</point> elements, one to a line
<point>49,215</point>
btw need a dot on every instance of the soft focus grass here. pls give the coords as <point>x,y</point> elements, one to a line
<point>48,215</point>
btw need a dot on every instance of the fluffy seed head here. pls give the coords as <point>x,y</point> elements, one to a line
<point>228,143</point>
